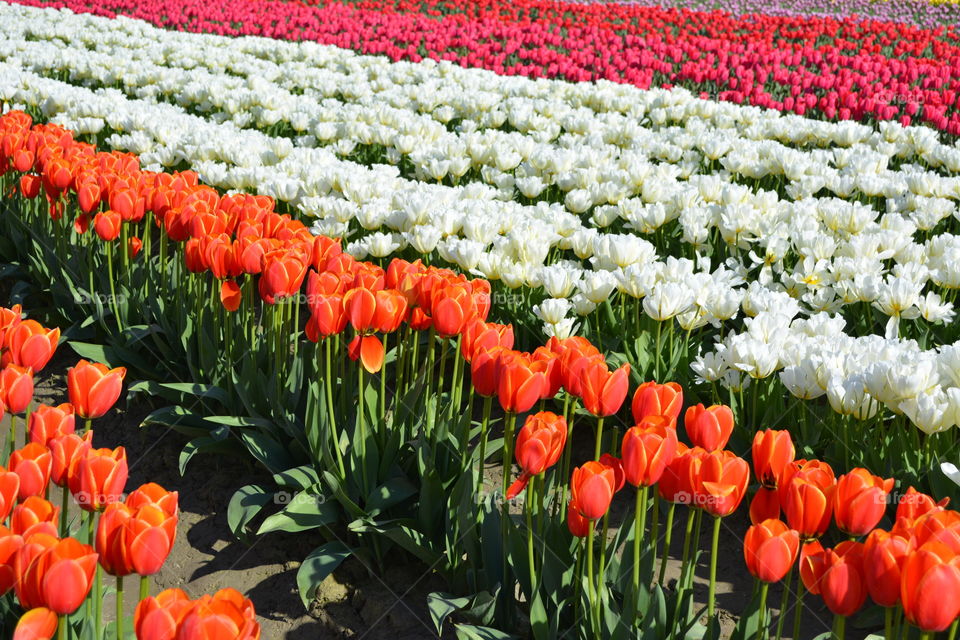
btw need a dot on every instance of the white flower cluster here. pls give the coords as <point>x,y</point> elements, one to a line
<point>567,187</point>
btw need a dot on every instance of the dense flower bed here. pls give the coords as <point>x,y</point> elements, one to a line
<point>849,68</point>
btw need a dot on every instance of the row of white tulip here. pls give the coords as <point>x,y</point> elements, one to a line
<point>847,254</point>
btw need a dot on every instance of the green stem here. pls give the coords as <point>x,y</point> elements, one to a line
<point>840,629</point>
<point>362,429</point>
<point>98,601</point>
<point>888,623</point>
<point>144,588</point>
<point>783,603</point>
<point>382,429</point>
<point>655,527</point>
<point>715,543</point>
<point>13,436</point>
<point>953,630</point>
<point>528,508</point>
<point>596,449</point>
<point>334,432</point>
<point>798,609</point>
<point>640,523</point>
<point>119,607</point>
<point>64,507</point>
<point>685,558</point>
<point>510,423</point>
<point>484,424</point>
<point>666,543</point>
<point>62,625</point>
<point>761,627</point>
<point>590,584</point>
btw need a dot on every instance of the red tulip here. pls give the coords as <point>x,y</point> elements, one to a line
<point>539,445</point>
<point>54,573</point>
<point>520,384</point>
<point>369,350</point>
<point>111,544</point>
<point>100,478</point>
<point>652,399</point>
<point>770,549</point>
<point>807,502</point>
<point>722,482</point>
<point>647,450</point>
<point>592,487</point>
<point>32,464</point>
<point>859,501</point>
<point>772,452</point>
<point>360,307</point>
<point>134,246</point>
<point>603,391</point>
<point>9,490</point>
<point>226,614</point>
<point>231,295</point>
<point>31,511</point>
<point>30,345</point>
<point>480,336</point>
<point>67,451</point>
<point>10,543</point>
<point>9,319</point>
<point>765,505</point>
<point>16,388</point>
<point>884,556</point>
<point>158,617</point>
<point>913,505</point>
<point>150,536</point>
<point>107,225</point>
<point>47,422</point>
<point>576,523</point>
<point>842,583</point>
<point>152,493</point>
<point>390,311</point>
<point>453,309</point>
<point>485,370</point>
<point>282,275</point>
<point>709,427</point>
<point>930,587</point>
<point>94,388</point>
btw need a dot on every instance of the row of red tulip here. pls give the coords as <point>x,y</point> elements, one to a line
<point>52,574</point>
<point>858,68</point>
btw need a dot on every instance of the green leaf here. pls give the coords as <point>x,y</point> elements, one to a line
<point>267,450</point>
<point>317,566</point>
<point>244,506</point>
<point>189,423</point>
<point>539,621</point>
<point>181,391</point>
<point>306,510</point>
<point>204,444</point>
<point>388,494</point>
<point>473,632</point>
<point>442,605</point>
<point>298,478</point>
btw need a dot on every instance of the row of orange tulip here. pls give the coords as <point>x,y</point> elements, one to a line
<point>52,574</point>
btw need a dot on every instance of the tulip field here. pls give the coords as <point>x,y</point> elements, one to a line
<point>540,297</point>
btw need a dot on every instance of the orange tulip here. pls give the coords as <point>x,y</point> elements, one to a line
<point>709,427</point>
<point>100,478</point>
<point>231,295</point>
<point>842,584</point>
<point>31,511</point>
<point>480,336</point>
<point>31,345</point>
<point>722,482</point>
<point>360,307</point>
<point>36,624</point>
<point>807,502</point>
<point>150,534</point>
<point>282,275</point>
<point>884,556</point>
<point>107,225</point>
<point>765,505</point>
<point>619,479</point>
<point>10,543</point>
<point>485,370</point>
<point>772,452</point>
<point>679,479</point>
<point>592,487</point>
<point>647,450</point>
<point>9,319</point>
<point>859,501</point>
<point>67,451</point>
<point>603,391</point>
<point>134,246</point>
<point>16,388</point>
<point>47,422</point>
<point>933,524</point>
<point>770,549</point>
<point>539,445</point>
<point>54,573</point>
<point>226,615</point>
<point>152,493</point>
<point>391,310</point>
<point>32,464</point>
<point>652,399</point>
<point>453,308</point>
<point>520,385</point>
<point>9,490</point>
<point>576,523</point>
<point>94,388</point>
<point>157,617</point>
<point>914,504</point>
<point>30,186</point>
<point>930,587</point>
<point>88,196</point>
<point>111,543</point>
<point>368,350</point>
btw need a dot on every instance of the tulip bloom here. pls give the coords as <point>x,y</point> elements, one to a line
<point>226,614</point>
<point>56,574</point>
<point>67,451</point>
<point>807,502</point>
<point>94,388</point>
<point>230,295</point>
<point>31,511</point>
<point>859,501</point>
<point>100,479</point>
<point>647,450</point>
<point>884,556</point>
<point>107,225</point>
<point>31,345</point>
<point>149,537</point>
<point>47,423</point>
<point>772,452</point>
<point>485,370</point>
<point>157,617</point>
<point>520,385</point>
<point>36,624</point>
<point>722,482</point>
<point>10,543</point>
<point>9,490</point>
<point>454,307</point>
<point>32,464</point>
<point>652,399</point>
<point>765,505</point>
<point>327,312</point>
<point>152,493</point>
<point>913,505</point>
<point>368,350</point>
<point>592,487</point>
<point>539,445</point>
<point>16,388</point>
<point>709,427</point>
<point>111,539</point>
<point>770,549</point>
<point>930,587</point>
<point>842,583</point>
<point>480,336</point>
<point>604,391</point>
<point>9,319</point>
<point>576,523</point>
